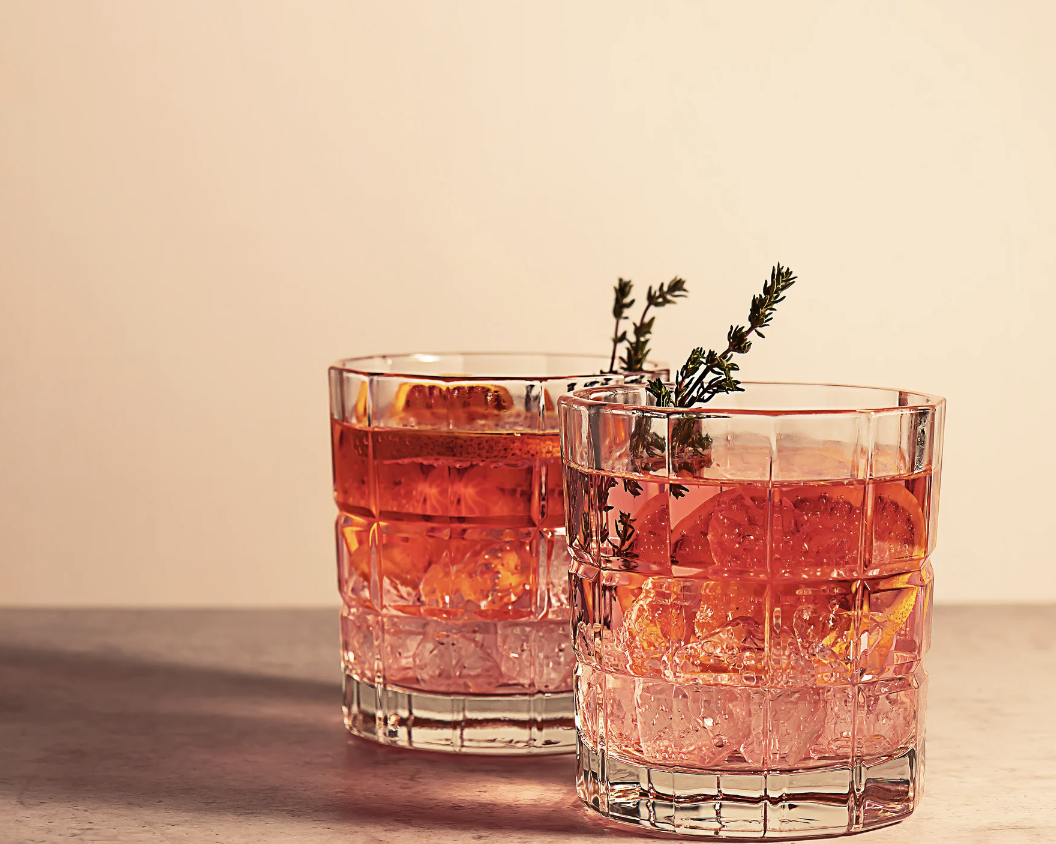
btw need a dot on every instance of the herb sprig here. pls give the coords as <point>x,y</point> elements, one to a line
<point>706,374</point>
<point>637,350</point>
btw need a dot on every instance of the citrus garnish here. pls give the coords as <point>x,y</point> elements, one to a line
<point>405,557</point>
<point>413,487</point>
<point>890,622</point>
<point>890,606</point>
<point>450,405</point>
<point>473,402</point>
<point>357,543</point>
<point>899,531</point>
<point>423,402</point>
<point>495,490</point>
<point>817,531</point>
<point>728,530</point>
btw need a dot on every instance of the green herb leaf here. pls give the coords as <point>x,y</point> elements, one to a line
<point>636,352</point>
<point>704,375</point>
<point>707,374</point>
<point>625,526</point>
<point>659,391</point>
<point>620,306</point>
<point>632,486</point>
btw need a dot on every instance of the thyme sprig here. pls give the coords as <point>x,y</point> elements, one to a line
<point>620,307</point>
<point>625,534</point>
<point>637,350</point>
<point>706,374</point>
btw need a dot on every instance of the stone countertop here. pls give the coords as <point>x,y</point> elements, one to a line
<point>225,726</point>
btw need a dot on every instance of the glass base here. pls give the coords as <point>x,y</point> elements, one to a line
<point>810,803</point>
<point>536,724</point>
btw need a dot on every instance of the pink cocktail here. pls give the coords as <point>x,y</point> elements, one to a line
<point>751,599</point>
<point>452,561</point>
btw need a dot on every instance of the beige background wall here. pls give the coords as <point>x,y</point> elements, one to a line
<point>203,203</point>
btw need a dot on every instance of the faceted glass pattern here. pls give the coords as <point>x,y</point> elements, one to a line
<point>452,561</point>
<point>751,605</point>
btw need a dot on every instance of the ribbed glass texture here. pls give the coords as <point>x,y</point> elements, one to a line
<point>751,605</point>
<point>452,564</point>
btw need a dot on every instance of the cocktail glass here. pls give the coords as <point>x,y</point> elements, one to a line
<point>452,562</point>
<point>751,605</point>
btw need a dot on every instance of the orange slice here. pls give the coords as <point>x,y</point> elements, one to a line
<point>361,403</point>
<point>817,529</point>
<point>890,607</point>
<point>416,488</point>
<point>893,620</point>
<point>455,404</point>
<point>478,400</point>
<point>728,530</point>
<point>899,531</point>
<point>357,541</point>
<point>492,490</point>
<point>405,558</point>
<point>419,398</point>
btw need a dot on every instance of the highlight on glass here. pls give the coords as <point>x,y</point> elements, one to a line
<point>751,605</point>
<point>452,563</point>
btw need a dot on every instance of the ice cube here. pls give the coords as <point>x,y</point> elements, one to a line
<point>487,578</point>
<point>691,725</point>
<point>812,633</point>
<point>515,653</point>
<point>729,635</point>
<point>887,714</point>
<point>654,626</point>
<point>589,701</point>
<point>360,632</point>
<point>796,720</point>
<point>730,654</point>
<point>557,577</point>
<point>403,635</point>
<point>555,659</point>
<point>621,717</point>
<point>457,659</point>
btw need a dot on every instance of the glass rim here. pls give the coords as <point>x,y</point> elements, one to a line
<point>915,401</point>
<point>349,365</point>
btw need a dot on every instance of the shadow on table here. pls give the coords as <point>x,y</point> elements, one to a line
<point>90,729</point>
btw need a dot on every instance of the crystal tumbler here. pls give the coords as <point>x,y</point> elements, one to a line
<point>751,605</point>
<point>452,562</point>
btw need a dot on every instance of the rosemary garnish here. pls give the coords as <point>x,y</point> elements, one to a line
<point>637,351</point>
<point>705,374</point>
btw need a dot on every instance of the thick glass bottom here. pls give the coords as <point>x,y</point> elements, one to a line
<point>531,724</point>
<point>807,803</point>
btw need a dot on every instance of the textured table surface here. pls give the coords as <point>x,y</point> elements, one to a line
<point>224,726</point>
